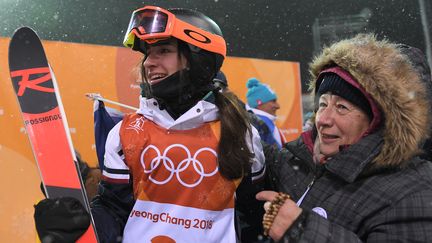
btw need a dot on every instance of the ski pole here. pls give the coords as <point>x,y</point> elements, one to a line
<point>94,96</point>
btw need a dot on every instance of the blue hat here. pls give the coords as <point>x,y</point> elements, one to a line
<point>258,93</point>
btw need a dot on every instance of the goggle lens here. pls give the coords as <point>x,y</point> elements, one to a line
<point>149,21</point>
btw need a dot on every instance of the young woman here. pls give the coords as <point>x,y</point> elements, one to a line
<point>171,170</point>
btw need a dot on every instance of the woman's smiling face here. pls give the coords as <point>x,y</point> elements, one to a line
<point>163,60</point>
<point>339,123</point>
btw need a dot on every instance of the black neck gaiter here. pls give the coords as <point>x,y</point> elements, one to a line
<point>177,93</point>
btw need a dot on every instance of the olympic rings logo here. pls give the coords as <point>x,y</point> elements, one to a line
<point>164,160</point>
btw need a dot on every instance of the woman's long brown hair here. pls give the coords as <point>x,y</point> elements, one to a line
<point>234,155</point>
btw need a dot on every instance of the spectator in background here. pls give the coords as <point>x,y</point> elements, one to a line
<point>91,176</point>
<point>262,101</point>
<point>220,81</point>
<point>264,131</point>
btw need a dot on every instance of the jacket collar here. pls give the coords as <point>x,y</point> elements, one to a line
<point>351,162</point>
<point>203,111</point>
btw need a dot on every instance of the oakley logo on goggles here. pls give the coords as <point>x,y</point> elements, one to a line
<point>152,24</point>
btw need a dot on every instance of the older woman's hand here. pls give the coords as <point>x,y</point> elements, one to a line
<point>286,215</point>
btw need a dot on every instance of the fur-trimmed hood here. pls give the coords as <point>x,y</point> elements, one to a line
<point>389,78</point>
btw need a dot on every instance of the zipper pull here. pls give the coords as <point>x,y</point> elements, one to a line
<point>304,194</point>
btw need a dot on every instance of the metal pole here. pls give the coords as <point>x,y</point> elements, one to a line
<point>94,96</point>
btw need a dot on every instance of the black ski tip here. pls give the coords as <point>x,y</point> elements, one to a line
<point>23,29</point>
<point>26,50</point>
<point>23,33</point>
<point>30,73</point>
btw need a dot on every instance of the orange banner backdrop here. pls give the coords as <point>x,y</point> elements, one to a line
<point>112,72</point>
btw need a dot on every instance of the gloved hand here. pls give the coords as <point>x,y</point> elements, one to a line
<point>60,220</point>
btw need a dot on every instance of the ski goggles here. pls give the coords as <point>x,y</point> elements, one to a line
<point>152,24</point>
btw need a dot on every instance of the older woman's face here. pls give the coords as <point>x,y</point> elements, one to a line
<point>339,122</point>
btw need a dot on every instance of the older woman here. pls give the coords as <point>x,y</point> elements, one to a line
<point>355,176</point>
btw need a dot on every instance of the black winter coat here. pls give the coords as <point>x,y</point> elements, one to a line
<point>361,205</point>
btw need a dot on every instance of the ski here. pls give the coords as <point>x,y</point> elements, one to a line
<point>45,121</point>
